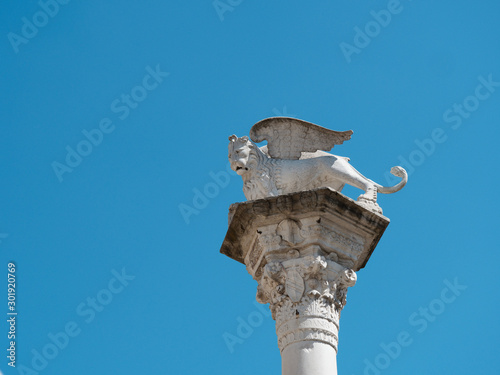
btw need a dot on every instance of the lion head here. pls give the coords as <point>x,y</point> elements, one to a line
<point>242,154</point>
<point>253,165</point>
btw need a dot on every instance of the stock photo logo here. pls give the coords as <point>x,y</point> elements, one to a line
<point>223,6</point>
<point>30,26</point>
<point>455,115</point>
<point>87,310</point>
<point>283,112</point>
<point>122,107</point>
<point>364,36</point>
<point>201,198</point>
<point>246,327</point>
<point>420,320</point>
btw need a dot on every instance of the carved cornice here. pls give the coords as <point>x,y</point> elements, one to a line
<point>324,217</point>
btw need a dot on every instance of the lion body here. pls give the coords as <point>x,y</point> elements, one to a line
<point>264,176</point>
<point>307,174</point>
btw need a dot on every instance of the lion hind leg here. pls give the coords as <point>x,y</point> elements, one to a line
<point>345,173</point>
<point>370,194</point>
<point>368,200</point>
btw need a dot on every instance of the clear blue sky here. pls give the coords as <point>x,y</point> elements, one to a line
<point>420,89</point>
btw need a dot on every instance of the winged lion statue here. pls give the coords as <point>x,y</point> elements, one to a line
<point>295,160</point>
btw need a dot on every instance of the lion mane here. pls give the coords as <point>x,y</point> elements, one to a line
<point>263,174</point>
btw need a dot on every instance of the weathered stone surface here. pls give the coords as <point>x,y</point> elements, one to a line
<point>303,249</point>
<point>300,239</point>
<point>344,231</point>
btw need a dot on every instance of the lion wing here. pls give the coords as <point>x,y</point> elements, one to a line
<point>288,137</point>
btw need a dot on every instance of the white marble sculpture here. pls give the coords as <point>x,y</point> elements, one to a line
<point>294,160</point>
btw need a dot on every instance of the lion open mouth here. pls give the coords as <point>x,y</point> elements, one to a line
<point>240,170</point>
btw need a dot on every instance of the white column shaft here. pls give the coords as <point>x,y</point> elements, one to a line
<point>309,358</point>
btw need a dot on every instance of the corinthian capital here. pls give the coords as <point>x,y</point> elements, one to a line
<point>306,295</point>
<point>304,250</point>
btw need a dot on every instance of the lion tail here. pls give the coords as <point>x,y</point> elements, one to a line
<point>398,172</point>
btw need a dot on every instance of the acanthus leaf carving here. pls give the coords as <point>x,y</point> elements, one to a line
<point>304,288</point>
<point>347,278</point>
